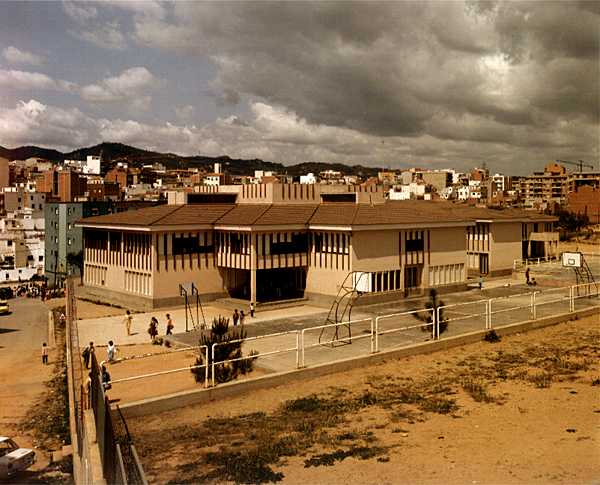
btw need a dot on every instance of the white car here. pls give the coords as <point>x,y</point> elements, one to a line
<point>14,459</point>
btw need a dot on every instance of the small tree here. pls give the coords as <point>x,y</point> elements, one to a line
<point>427,315</point>
<point>219,333</point>
<point>75,260</point>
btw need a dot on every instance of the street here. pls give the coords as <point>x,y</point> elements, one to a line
<point>21,372</point>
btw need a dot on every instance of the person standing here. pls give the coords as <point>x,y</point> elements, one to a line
<point>128,321</point>
<point>87,354</point>
<point>111,351</point>
<point>153,328</point>
<point>170,325</point>
<point>527,276</point>
<point>242,317</point>
<point>252,309</point>
<point>236,317</point>
<point>44,354</point>
<point>105,379</point>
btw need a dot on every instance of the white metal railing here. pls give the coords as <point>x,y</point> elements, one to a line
<point>521,263</point>
<point>486,309</point>
<point>171,371</point>
<point>349,339</point>
<point>404,328</point>
<point>254,356</point>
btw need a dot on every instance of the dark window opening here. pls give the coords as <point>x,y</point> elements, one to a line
<point>298,244</point>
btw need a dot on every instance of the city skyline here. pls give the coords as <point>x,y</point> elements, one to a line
<point>512,85</point>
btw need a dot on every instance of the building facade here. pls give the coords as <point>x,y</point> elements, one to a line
<point>286,241</point>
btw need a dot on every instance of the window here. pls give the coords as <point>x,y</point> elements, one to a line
<point>297,244</point>
<point>415,241</point>
<point>9,243</point>
<point>40,258</point>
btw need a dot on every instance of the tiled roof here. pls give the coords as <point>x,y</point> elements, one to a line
<point>163,215</point>
<point>292,214</point>
<point>329,214</point>
<point>243,215</point>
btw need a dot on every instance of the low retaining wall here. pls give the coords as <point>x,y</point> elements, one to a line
<point>198,396</point>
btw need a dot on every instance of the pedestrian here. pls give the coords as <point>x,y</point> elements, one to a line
<point>242,317</point>
<point>128,321</point>
<point>527,276</point>
<point>44,354</point>
<point>63,319</point>
<point>170,325</point>
<point>111,351</point>
<point>236,317</point>
<point>87,354</point>
<point>106,385</point>
<point>252,309</point>
<point>153,328</point>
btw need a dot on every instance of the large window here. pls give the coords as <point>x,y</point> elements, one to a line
<point>190,244</point>
<point>414,241</point>
<point>298,243</point>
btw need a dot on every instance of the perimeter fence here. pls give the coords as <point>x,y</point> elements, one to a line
<point>120,462</point>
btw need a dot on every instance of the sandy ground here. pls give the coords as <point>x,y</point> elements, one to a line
<point>542,424</point>
<point>22,376</point>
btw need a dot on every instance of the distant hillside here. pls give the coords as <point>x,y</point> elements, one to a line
<point>114,152</point>
<point>23,153</point>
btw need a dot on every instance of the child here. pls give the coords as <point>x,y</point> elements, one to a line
<point>111,351</point>
<point>44,354</point>
<point>170,325</point>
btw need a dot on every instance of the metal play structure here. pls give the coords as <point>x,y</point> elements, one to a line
<point>354,285</point>
<point>192,299</point>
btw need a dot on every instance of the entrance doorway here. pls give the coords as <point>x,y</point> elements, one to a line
<point>412,277</point>
<point>280,284</point>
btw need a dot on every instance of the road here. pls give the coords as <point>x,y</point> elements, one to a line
<point>21,371</point>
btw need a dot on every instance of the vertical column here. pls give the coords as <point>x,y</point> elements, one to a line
<point>253,267</point>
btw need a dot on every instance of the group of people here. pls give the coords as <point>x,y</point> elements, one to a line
<point>240,317</point>
<point>152,327</point>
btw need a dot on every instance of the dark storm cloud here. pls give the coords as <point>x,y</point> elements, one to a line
<point>386,68</point>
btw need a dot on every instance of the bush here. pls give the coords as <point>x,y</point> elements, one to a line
<point>231,349</point>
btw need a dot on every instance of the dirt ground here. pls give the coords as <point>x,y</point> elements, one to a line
<point>149,359</point>
<point>522,410</point>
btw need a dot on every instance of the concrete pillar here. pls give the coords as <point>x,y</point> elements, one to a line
<point>253,268</point>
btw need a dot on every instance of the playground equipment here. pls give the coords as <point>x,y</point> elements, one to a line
<point>354,285</point>
<point>192,299</point>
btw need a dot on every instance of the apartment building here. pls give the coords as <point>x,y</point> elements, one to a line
<point>290,240</point>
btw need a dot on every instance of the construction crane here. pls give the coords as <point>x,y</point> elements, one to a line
<point>579,163</point>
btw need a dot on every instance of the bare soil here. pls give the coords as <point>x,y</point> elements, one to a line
<point>522,410</point>
<point>144,359</point>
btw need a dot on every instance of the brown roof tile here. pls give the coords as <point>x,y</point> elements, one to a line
<point>243,215</point>
<point>168,215</point>
<point>292,214</point>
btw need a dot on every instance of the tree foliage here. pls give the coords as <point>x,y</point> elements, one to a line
<point>232,341</point>
<point>426,315</point>
<point>571,222</point>
<point>75,260</point>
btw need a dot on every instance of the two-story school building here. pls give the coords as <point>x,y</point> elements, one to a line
<point>283,241</point>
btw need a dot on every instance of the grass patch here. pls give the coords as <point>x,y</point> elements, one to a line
<point>360,452</point>
<point>477,390</point>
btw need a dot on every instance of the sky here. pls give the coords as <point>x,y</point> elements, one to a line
<point>443,84</point>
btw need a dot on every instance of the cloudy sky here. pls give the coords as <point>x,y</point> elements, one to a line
<point>398,84</point>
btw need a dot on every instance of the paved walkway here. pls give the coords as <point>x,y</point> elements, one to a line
<point>101,330</point>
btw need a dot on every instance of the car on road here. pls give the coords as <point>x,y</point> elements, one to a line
<point>6,293</point>
<point>4,307</point>
<point>13,459</point>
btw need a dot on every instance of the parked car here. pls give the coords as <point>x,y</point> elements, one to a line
<point>4,307</point>
<point>13,459</point>
<point>6,293</point>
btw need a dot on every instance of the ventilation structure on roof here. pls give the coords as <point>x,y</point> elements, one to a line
<point>211,198</point>
<point>344,197</point>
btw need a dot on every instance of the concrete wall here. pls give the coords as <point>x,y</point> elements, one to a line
<point>505,246</point>
<point>375,250</point>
